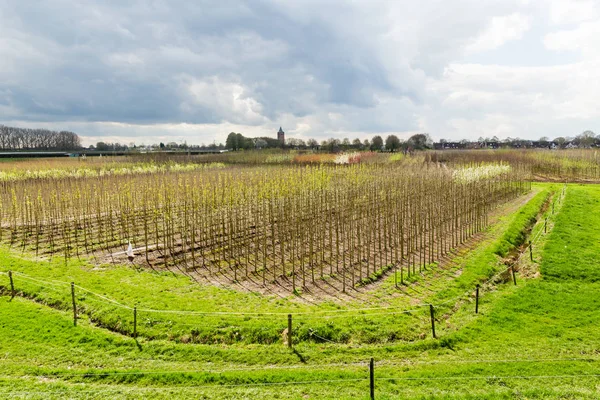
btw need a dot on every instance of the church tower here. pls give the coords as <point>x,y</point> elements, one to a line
<point>281,136</point>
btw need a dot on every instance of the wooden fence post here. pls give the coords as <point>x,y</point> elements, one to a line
<point>135,321</point>
<point>477,299</point>
<point>530,251</point>
<point>512,268</point>
<point>74,307</point>
<point>545,225</point>
<point>289,332</point>
<point>372,378</point>
<point>431,311</point>
<point>12,285</point>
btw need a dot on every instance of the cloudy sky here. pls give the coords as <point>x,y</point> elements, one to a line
<point>169,70</point>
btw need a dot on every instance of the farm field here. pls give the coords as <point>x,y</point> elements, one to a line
<point>202,308</point>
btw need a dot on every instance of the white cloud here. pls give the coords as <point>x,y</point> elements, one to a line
<point>573,11</point>
<point>585,38</point>
<point>228,101</point>
<point>500,31</point>
<point>526,102</point>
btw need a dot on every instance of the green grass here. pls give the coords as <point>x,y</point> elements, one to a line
<point>539,339</point>
<point>168,291</point>
<point>515,236</point>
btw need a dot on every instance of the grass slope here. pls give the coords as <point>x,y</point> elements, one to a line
<point>539,339</point>
<point>168,291</point>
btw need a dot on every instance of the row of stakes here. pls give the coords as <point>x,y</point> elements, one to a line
<point>289,319</point>
<point>289,329</point>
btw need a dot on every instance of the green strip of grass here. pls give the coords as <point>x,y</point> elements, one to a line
<point>526,217</point>
<point>485,261</point>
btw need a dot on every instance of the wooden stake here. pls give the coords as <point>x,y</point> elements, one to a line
<point>477,299</point>
<point>545,225</point>
<point>432,312</point>
<point>372,378</point>
<point>514,274</point>
<point>12,285</point>
<point>289,332</point>
<point>135,322</point>
<point>530,251</point>
<point>74,307</point>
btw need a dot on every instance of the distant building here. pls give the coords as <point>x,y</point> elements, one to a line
<point>281,136</point>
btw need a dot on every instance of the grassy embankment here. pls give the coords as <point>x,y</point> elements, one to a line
<point>334,321</point>
<point>535,340</point>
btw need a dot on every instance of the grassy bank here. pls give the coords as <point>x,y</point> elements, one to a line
<point>538,339</point>
<point>197,313</point>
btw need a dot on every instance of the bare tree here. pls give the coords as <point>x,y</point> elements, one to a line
<point>37,139</point>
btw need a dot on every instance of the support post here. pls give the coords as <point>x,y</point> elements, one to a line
<point>546,225</point>
<point>512,268</point>
<point>372,378</point>
<point>135,322</point>
<point>530,251</point>
<point>12,285</point>
<point>477,299</point>
<point>289,332</point>
<point>432,312</point>
<point>74,307</point>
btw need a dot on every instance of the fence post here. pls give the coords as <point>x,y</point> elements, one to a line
<point>545,224</point>
<point>12,285</point>
<point>477,299</point>
<point>372,378</point>
<point>289,332</point>
<point>74,307</point>
<point>530,251</point>
<point>512,268</point>
<point>135,321</point>
<point>432,320</point>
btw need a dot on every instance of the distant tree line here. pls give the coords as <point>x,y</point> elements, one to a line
<point>116,146</point>
<point>421,141</point>
<point>12,139</point>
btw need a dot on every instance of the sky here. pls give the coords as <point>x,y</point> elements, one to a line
<point>193,71</point>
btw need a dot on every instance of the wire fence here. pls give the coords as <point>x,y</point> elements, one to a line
<point>368,371</point>
<point>353,368</point>
<point>312,333</point>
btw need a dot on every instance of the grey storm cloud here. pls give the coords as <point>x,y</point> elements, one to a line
<point>130,63</point>
<point>323,67</point>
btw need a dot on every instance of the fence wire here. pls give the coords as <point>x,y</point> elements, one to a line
<point>325,314</point>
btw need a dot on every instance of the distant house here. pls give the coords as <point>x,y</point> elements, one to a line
<point>449,145</point>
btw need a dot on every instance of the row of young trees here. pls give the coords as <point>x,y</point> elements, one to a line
<point>290,226</point>
<point>37,139</point>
